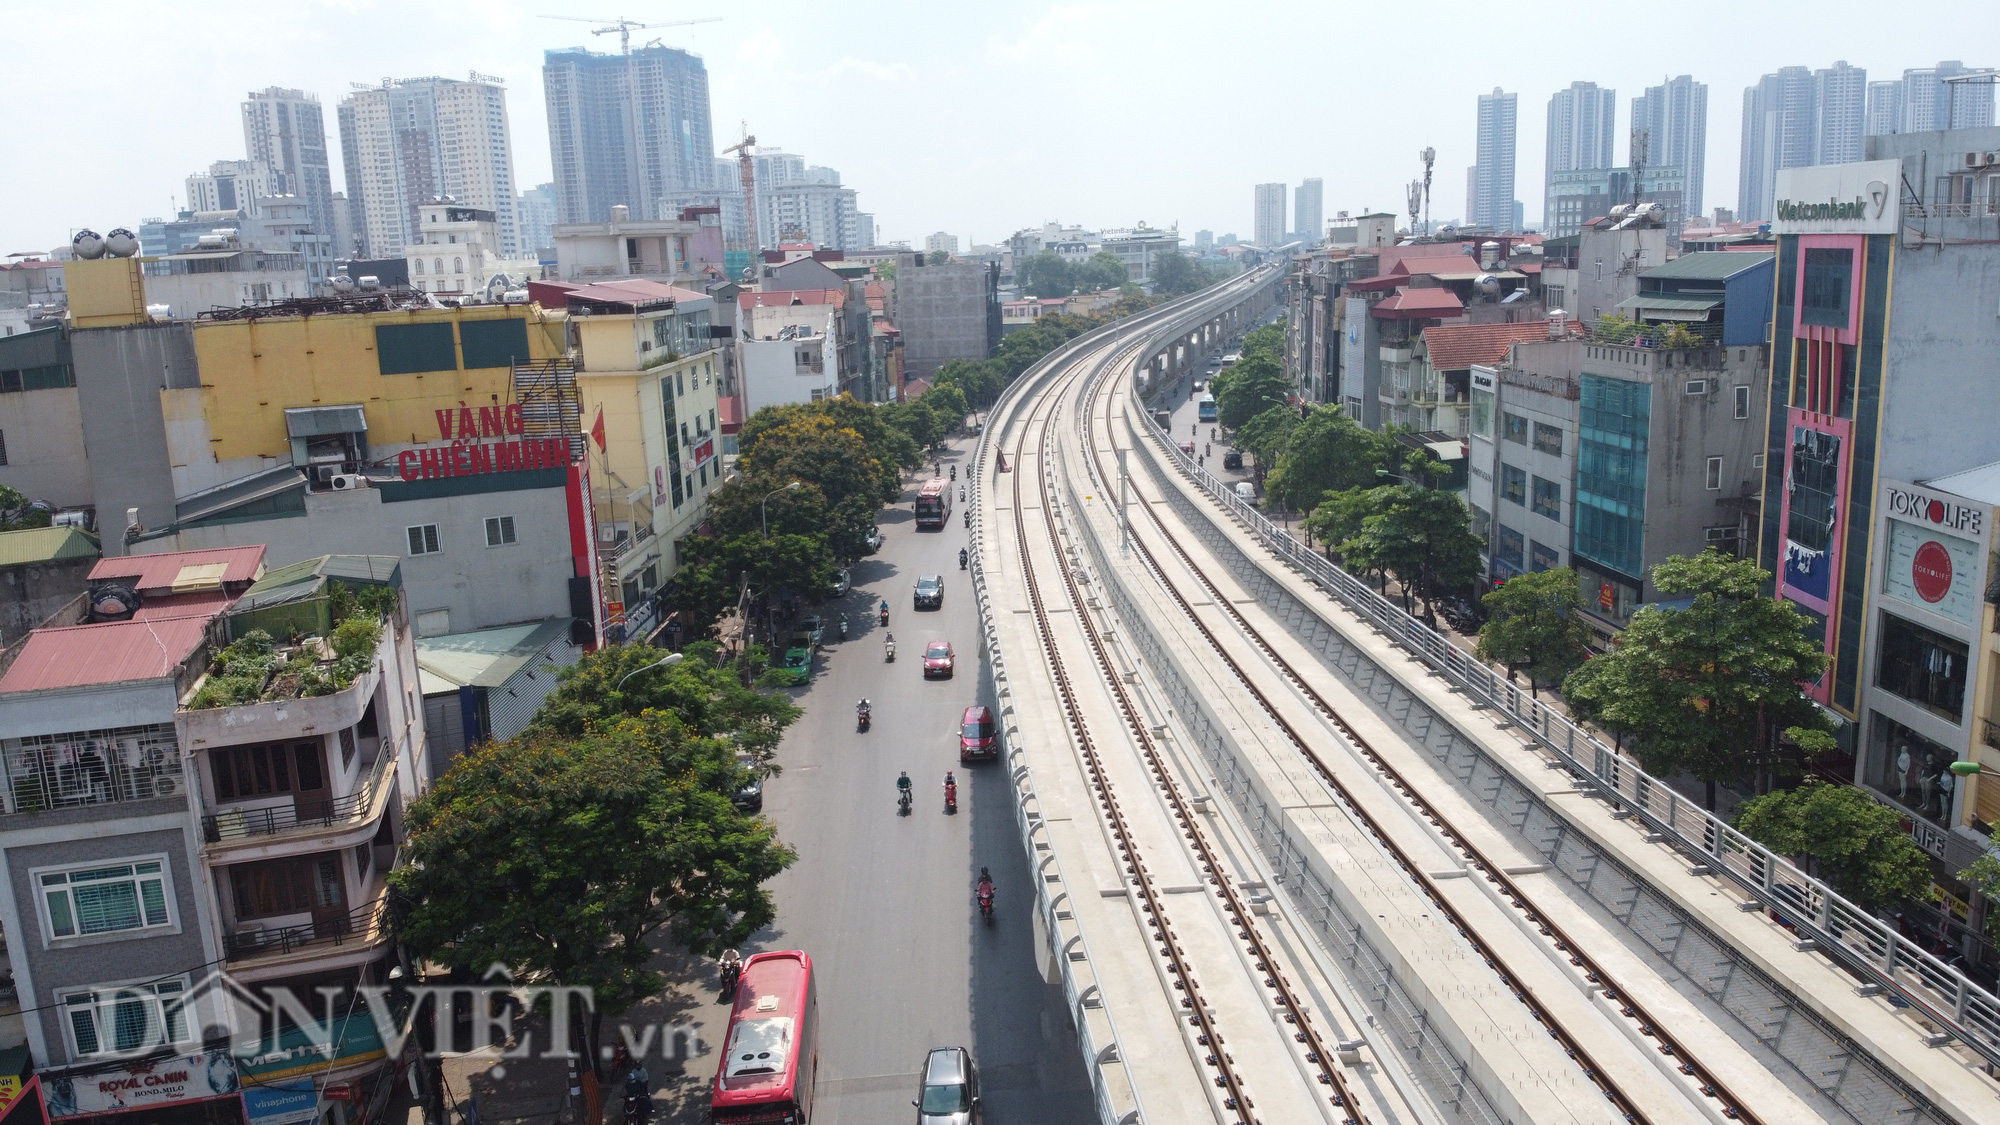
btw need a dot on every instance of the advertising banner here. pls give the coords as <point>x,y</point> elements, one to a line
<point>283,1103</point>
<point>141,1085</point>
<point>352,1040</point>
<point>1934,572</point>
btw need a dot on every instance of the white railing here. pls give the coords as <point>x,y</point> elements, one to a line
<point>1866,944</point>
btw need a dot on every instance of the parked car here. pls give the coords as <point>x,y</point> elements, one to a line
<point>811,627</point>
<point>842,583</point>
<point>874,539</point>
<point>796,667</point>
<point>949,1094</point>
<point>930,592</point>
<point>750,798</point>
<point>978,738</point>
<point>1233,459</point>
<point>939,660</point>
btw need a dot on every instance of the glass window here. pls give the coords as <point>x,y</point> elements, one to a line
<point>1542,558</point>
<point>423,539</point>
<point>1482,413</point>
<point>1742,402</point>
<point>293,885</point>
<point>1548,439</point>
<point>499,530</point>
<point>1712,478</point>
<point>1823,297</point>
<point>126,1020</point>
<point>1548,498</point>
<point>1510,548</point>
<point>243,772</point>
<point>101,900</point>
<point>1911,769</point>
<point>1513,484</point>
<point>1514,428</point>
<point>1614,417</point>
<point>1922,666</point>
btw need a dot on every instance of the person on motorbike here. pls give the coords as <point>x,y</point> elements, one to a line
<point>950,788</point>
<point>731,968</point>
<point>843,626</point>
<point>962,557</point>
<point>984,891</point>
<point>885,612</point>
<point>903,786</point>
<point>889,645</point>
<point>638,1085</point>
<point>954,472</point>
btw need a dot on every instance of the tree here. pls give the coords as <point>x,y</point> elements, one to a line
<point>1047,274</point>
<point>711,582</point>
<point>1267,339</point>
<point>1613,328</point>
<point>1265,435</point>
<point>1838,834</point>
<point>17,512</point>
<point>948,402</point>
<point>1338,516</point>
<point>1533,625</point>
<point>568,858</point>
<point>1983,876</point>
<point>1174,273</point>
<point>1327,452</point>
<point>981,380</point>
<point>1244,391</point>
<point>812,446</point>
<point>710,701</point>
<point>1423,537</point>
<point>886,270</point>
<point>1101,271</point>
<point>1703,689</point>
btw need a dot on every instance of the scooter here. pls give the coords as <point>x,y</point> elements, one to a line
<point>962,557</point>
<point>951,798</point>
<point>731,972</point>
<point>954,472</point>
<point>968,517</point>
<point>903,802</point>
<point>961,494</point>
<point>889,651</point>
<point>843,626</point>
<point>885,614</point>
<point>986,907</point>
<point>861,716</point>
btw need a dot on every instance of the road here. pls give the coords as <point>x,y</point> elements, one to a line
<point>884,903</point>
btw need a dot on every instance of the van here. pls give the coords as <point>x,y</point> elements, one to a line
<point>1246,492</point>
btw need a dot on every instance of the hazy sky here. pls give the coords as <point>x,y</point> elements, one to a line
<point>976,119</point>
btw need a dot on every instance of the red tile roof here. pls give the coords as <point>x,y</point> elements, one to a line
<point>625,291</point>
<point>117,652</point>
<point>1454,347</point>
<point>1418,304</point>
<point>729,413</point>
<point>157,572</point>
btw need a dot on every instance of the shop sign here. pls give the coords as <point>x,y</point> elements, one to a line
<point>704,451</point>
<point>1858,198</point>
<point>282,1103</point>
<point>10,1088</point>
<point>1931,571</point>
<point>1942,511</point>
<point>141,1085</point>
<point>469,454</point>
<point>350,1041</point>
<point>1928,836</point>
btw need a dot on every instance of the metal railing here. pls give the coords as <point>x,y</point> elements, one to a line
<point>363,925</point>
<point>237,824</point>
<point>1867,945</point>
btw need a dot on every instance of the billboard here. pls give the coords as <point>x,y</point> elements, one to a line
<point>1859,198</point>
<point>141,1085</point>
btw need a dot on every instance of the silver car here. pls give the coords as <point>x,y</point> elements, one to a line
<point>950,1093</point>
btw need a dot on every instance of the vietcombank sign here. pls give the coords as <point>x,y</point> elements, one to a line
<point>1838,199</point>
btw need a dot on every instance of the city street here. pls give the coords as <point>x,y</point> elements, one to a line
<point>883,903</point>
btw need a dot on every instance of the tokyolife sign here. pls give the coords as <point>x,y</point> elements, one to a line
<point>1855,198</point>
<point>469,455</point>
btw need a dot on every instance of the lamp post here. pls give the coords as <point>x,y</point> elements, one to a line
<point>763,514</point>
<point>667,661</point>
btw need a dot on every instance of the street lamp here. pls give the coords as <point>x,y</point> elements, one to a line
<point>667,661</point>
<point>763,515</point>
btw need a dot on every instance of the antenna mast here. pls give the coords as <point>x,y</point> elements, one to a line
<point>1429,157</point>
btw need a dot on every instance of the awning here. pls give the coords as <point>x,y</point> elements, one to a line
<point>1671,306</point>
<point>319,421</point>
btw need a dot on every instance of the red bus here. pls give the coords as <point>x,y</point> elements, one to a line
<point>770,1056</point>
<point>934,503</point>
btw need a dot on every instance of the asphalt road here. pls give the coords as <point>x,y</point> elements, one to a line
<point>883,903</point>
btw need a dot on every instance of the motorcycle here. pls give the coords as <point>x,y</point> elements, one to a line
<point>731,972</point>
<point>954,472</point>
<point>638,1109</point>
<point>903,802</point>
<point>986,906</point>
<point>951,798</point>
<point>885,614</point>
<point>968,517</point>
<point>889,651</point>
<point>843,626</point>
<point>861,716</point>
<point>962,557</point>
<point>961,494</point>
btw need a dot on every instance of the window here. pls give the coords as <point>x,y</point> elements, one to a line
<point>458,265</point>
<point>1542,558</point>
<point>1697,386</point>
<point>1757,461</point>
<point>127,1019</point>
<point>82,901</point>
<point>3,447</point>
<point>1548,439</point>
<point>1509,550</point>
<point>437,265</point>
<point>1823,299</point>
<point>1513,484</point>
<point>424,539</point>
<point>1548,498</point>
<point>420,267</point>
<point>1922,667</point>
<point>293,885</point>
<point>244,772</point>
<point>1713,480</point>
<point>1742,402</point>
<point>1514,428</point>
<point>499,531</point>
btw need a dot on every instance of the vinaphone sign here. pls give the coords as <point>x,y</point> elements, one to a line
<point>1837,199</point>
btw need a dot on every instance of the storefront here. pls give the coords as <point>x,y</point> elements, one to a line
<point>199,1089</point>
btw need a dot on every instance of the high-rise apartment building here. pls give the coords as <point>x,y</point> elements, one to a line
<point>286,130</point>
<point>1492,201</point>
<point>538,214</point>
<point>412,140</point>
<point>942,242</point>
<point>1885,108</point>
<point>1270,215</point>
<point>232,185</point>
<point>1927,102</point>
<point>1309,211</point>
<point>1840,100</point>
<point>628,128</point>
<point>1674,117</point>
<point>1583,124</point>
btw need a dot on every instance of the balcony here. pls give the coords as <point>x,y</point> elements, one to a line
<point>358,928</point>
<point>274,720</point>
<point>353,810</point>
<point>1989,733</point>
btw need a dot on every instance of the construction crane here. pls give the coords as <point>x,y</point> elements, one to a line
<point>746,170</point>
<point>625,27</point>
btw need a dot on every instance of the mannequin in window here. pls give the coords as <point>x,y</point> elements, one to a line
<point>1903,775</point>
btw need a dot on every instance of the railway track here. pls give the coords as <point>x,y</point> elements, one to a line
<point>1095,377</point>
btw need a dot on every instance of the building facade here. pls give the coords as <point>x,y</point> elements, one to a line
<point>1583,124</point>
<point>626,129</point>
<point>286,130</point>
<point>1789,118</point>
<point>233,185</point>
<point>1674,117</point>
<point>412,140</point>
<point>1309,211</point>
<point>1490,202</point>
<point>1269,222</point>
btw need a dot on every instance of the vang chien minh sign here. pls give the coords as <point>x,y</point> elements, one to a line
<point>468,454</point>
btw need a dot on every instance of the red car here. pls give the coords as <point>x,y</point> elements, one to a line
<point>938,659</point>
<point>977,738</point>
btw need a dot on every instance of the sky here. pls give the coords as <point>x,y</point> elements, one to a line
<point>975,119</point>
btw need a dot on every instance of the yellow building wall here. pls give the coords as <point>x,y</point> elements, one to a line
<point>251,370</point>
<point>105,292</point>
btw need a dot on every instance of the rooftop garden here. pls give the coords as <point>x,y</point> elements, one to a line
<point>257,668</point>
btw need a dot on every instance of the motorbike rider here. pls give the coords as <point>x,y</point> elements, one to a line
<point>889,644</point>
<point>985,888</point>
<point>950,788</point>
<point>903,785</point>
<point>962,556</point>
<point>954,472</point>
<point>638,1093</point>
<point>885,612</point>
<point>843,626</point>
<point>732,968</point>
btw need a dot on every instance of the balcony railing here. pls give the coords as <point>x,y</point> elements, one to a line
<point>238,824</point>
<point>363,926</point>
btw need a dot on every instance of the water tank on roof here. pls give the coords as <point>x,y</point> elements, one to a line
<point>343,283</point>
<point>87,243</point>
<point>121,243</point>
<point>210,242</point>
<point>370,281</point>
<point>1488,285</point>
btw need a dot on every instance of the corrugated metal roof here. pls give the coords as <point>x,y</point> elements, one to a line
<point>304,578</point>
<point>159,572</point>
<point>1711,265</point>
<point>1981,484</point>
<point>119,652</point>
<point>486,657</point>
<point>47,544</point>
<point>318,421</point>
<point>1671,301</point>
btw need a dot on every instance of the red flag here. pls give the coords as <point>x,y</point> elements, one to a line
<point>597,431</point>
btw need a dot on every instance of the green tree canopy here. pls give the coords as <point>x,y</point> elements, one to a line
<point>1266,339</point>
<point>1421,536</point>
<point>1174,273</point>
<point>1534,626</point>
<point>1327,452</point>
<point>710,702</point>
<point>1248,388</point>
<point>813,445</point>
<point>566,858</point>
<point>1047,274</point>
<point>1101,271</point>
<point>1265,435</point>
<point>1838,834</point>
<point>1704,689</point>
<point>1338,516</point>
<point>980,380</point>
<point>710,583</point>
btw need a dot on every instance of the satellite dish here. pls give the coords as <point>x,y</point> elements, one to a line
<point>88,244</point>
<point>121,243</point>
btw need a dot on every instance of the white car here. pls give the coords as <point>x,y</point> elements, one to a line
<point>874,539</point>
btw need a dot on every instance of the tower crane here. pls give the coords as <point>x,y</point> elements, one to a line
<point>746,170</point>
<point>625,27</point>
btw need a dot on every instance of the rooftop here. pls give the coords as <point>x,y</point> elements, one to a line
<point>624,295</point>
<point>1981,483</point>
<point>180,572</point>
<point>148,648</point>
<point>484,657</point>
<point>1418,304</point>
<point>1456,346</point>
<point>46,545</point>
<point>1711,265</point>
<point>750,299</point>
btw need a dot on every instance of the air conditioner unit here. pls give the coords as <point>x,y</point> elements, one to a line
<point>1975,160</point>
<point>345,482</point>
<point>166,785</point>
